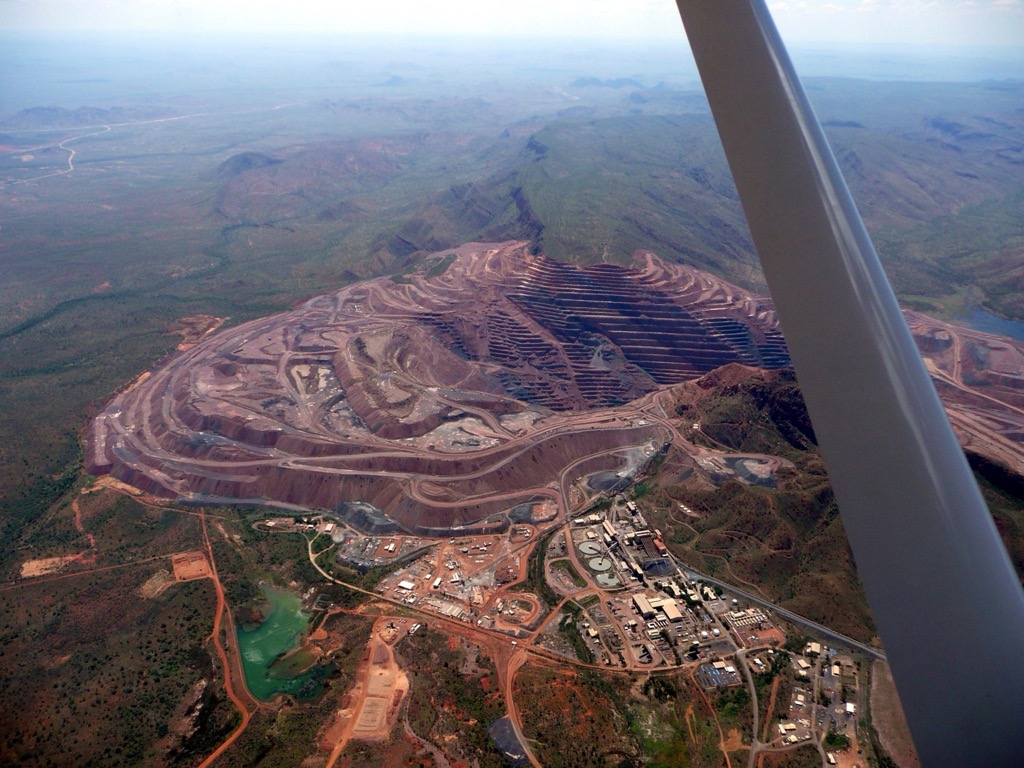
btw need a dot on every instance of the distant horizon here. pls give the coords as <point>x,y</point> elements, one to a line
<point>531,40</point>
<point>855,22</point>
<point>38,66</point>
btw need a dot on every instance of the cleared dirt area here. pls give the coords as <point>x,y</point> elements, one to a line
<point>193,328</point>
<point>733,741</point>
<point>370,709</point>
<point>190,565</point>
<point>156,584</point>
<point>47,565</point>
<point>386,684</point>
<point>112,483</point>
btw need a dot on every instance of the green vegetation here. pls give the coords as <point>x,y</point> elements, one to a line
<point>397,750</point>
<point>641,489</point>
<point>788,539</point>
<point>1004,494</point>
<point>761,415</point>
<point>41,492</point>
<point>568,625</point>
<point>949,264</point>
<point>614,720</point>
<point>287,736</point>
<point>125,527</point>
<point>869,742</point>
<point>779,663</point>
<point>87,630</point>
<point>837,741</point>
<point>453,697</point>
<point>565,565</point>
<point>438,269</point>
<point>580,198</point>
<point>661,688</point>
<point>734,708</point>
<point>273,557</point>
<point>583,710</point>
<point>796,642</point>
<point>535,581</point>
<point>780,671</point>
<point>806,756</point>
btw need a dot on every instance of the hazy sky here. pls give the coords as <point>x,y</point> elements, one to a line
<point>945,22</point>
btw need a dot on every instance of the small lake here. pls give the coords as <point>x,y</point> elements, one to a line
<point>281,632</point>
<point>980,320</point>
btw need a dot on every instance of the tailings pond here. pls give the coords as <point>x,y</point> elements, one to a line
<point>267,658</point>
<point>980,320</point>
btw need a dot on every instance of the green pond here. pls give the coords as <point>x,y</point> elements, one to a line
<point>280,632</point>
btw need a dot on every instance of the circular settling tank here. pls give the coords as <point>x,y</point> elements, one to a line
<point>590,548</point>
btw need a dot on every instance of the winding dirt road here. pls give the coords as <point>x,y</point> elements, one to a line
<point>225,663</point>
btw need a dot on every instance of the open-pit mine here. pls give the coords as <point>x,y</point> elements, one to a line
<point>470,393</point>
<point>454,396</point>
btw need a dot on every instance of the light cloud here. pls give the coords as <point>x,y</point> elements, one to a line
<point>935,22</point>
<point>602,18</point>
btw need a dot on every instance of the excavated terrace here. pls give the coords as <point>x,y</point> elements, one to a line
<point>442,398</point>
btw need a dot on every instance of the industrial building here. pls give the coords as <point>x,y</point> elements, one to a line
<point>643,607</point>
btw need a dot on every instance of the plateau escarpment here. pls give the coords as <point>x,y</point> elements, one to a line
<point>443,398</point>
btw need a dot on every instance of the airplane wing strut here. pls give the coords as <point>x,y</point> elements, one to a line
<point>948,604</point>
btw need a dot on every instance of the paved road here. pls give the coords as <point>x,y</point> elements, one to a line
<point>818,629</point>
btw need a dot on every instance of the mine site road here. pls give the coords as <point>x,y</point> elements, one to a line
<point>223,612</point>
<point>955,381</point>
<point>508,450</point>
<point>819,629</point>
<point>513,448</point>
<point>165,379</point>
<point>477,632</point>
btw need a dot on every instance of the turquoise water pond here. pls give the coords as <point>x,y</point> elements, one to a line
<point>281,632</point>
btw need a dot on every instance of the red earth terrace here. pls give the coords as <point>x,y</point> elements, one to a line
<point>486,379</point>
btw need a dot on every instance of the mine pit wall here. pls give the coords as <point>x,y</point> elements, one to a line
<point>316,490</point>
<point>378,418</point>
<point>449,497</point>
<point>237,429</point>
<point>1005,381</point>
<point>231,427</point>
<point>542,463</point>
<point>303,446</point>
<point>141,480</point>
<point>538,466</point>
<point>383,424</point>
<point>661,335</point>
<point>97,454</point>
